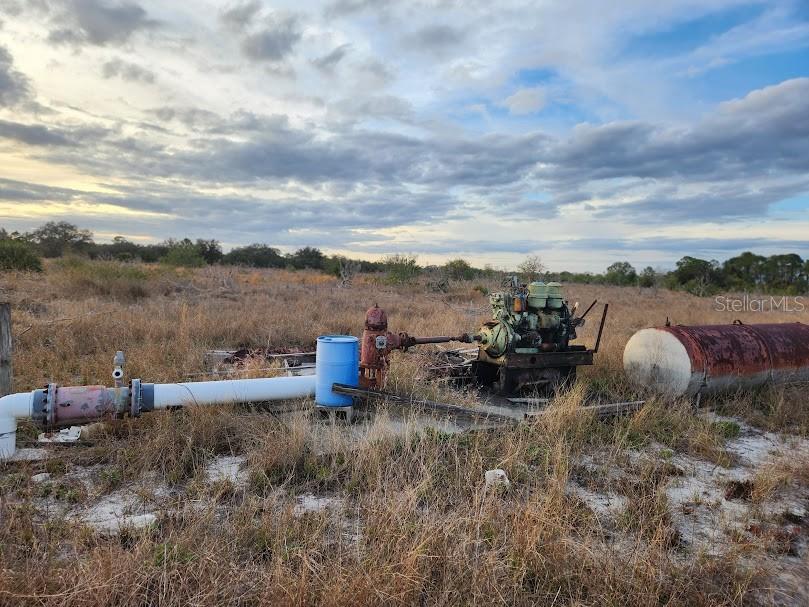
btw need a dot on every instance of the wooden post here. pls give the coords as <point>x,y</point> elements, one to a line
<point>5,349</point>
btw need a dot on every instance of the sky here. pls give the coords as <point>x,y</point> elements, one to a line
<point>581,131</point>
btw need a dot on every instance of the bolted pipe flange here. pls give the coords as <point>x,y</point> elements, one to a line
<point>44,409</point>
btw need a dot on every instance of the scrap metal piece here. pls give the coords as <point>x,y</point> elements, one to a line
<point>446,408</point>
<point>604,411</point>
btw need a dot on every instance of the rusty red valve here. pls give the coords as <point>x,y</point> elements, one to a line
<point>377,343</point>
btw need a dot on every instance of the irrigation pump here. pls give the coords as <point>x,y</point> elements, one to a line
<point>527,341</point>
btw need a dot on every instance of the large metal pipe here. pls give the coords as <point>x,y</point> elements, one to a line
<point>689,360</point>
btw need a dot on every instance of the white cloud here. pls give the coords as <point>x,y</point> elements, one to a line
<point>525,101</point>
<point>374,109</point>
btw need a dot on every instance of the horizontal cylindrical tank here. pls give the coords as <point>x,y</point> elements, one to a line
<point>685,361</point>
<point>337,362</point>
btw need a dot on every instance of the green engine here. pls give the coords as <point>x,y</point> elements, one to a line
<point>527,319</point>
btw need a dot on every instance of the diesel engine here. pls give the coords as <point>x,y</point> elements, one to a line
<point>528,319</point>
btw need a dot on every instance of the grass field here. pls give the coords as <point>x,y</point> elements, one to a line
<point>218,506</point>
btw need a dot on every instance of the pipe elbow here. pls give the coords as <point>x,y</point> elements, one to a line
<point>12,406</point>
<point>17,405</point>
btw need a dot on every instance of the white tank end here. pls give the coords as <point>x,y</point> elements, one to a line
<point>656,359</point>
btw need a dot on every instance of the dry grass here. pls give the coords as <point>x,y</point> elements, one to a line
<point>413,524</point>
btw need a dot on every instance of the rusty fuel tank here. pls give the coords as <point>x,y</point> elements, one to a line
<point>688,360</point>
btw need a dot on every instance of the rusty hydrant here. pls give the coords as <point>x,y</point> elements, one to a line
<point>378,342</point>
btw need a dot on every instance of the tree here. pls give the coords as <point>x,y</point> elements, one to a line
<point>647,277</point>
<point>621,273</point>
<point>151,253</point>
<point>307,257</point>
<point>120,248</point>
<point>697,276</point>
<point>256,256</point>
<point>209,250</point>
<point>784,273</point>
<point>532,268</point>
<point>459,269</point>
<point>745,271</point>
<point>806,269</point>
<point>56,238</point>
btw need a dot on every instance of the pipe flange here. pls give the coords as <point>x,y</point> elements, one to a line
<point>38,406</point>
<point>135,398</point>
<point>47,406</point>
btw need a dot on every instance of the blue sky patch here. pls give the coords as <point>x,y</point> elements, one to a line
<point>685,36</point>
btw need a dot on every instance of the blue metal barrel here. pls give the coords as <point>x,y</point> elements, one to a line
<point>337,362</point>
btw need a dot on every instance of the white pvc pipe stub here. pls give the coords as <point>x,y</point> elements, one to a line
<point>8,437</point>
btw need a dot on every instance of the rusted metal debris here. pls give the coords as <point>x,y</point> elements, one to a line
<point>233,357</point>
<point>447,408</point>
<point>454,365</point>
<point>602,411</point>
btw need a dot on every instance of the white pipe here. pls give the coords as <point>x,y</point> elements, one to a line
<point>17,405</point>
<point>233,391</point>
<point>12,406</point>
<point>21,405</point>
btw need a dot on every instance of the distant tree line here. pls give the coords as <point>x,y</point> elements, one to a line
<point>786,274</point>
<point>778,274</point>
<point>56,239</point>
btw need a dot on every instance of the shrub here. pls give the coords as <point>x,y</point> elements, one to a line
<point>122,281</point>
<point>307,257</point>
<point>184,256</point>
<point>18,255</point>
<point>255,255</point>
<point>401,269</point>
<point>459,269</point>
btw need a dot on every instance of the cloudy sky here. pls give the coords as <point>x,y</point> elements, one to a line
<point>580,130</point>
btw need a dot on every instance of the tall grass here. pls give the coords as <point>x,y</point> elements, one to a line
<point>413,523</point>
